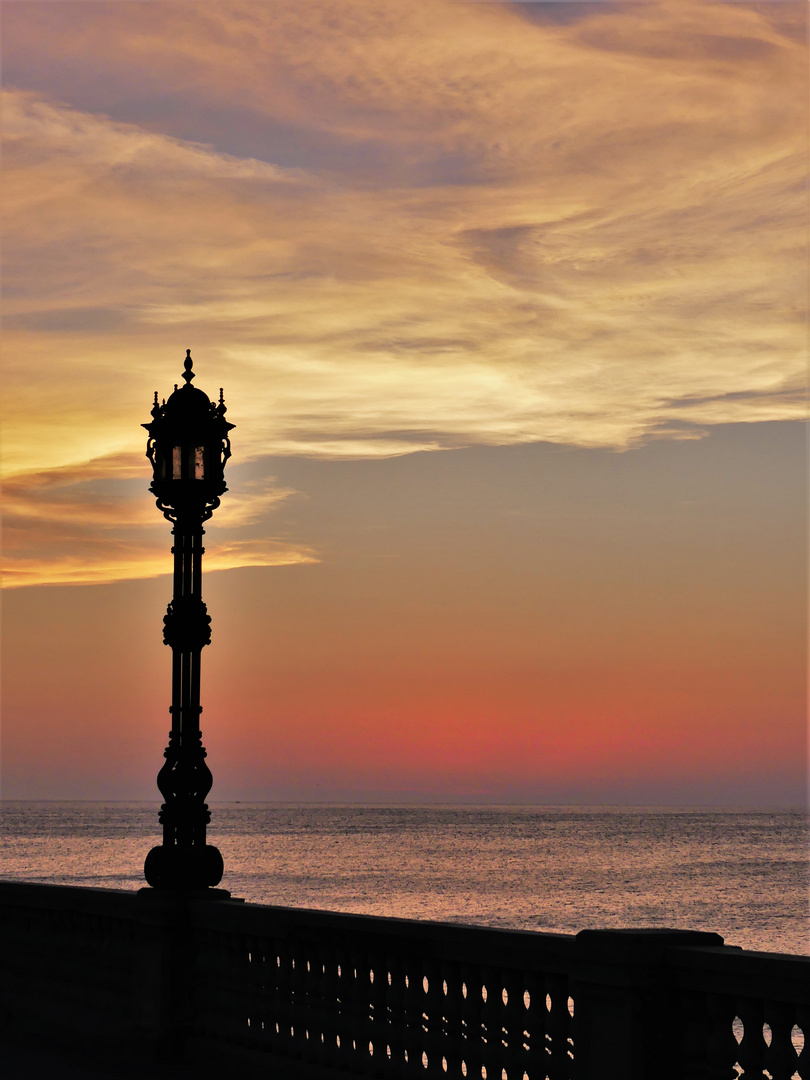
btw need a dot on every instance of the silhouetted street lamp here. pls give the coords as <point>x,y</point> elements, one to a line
<point>188,446</point>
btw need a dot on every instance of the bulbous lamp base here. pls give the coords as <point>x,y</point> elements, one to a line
<point>195,867</point>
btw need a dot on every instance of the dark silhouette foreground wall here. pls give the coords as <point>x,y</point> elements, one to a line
<point>203,985</point>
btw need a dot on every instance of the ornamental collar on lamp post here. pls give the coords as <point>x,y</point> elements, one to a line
<point>188,447</point>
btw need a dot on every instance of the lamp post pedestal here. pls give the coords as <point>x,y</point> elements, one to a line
<point>188,447</point>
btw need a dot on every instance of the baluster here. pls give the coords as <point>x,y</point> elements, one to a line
<point>500,1015</point>
<point>803,1057</point>
<point>418,1026</point>
<point>232,999</point>
<point>780,1057</point>
<point>307,1006</point>
<point>343,1015</point>
<point>491,1050</point>
<point>534,1026</point>
<point>512,1016</point>
<point>751,1050</point>
<point>378,1024</point>
<point>314,1017</point>
<point>433,1017</point>
<point>358,1040</point>
<point>298,1021</point>
<point>473,1053</point>
<point>412,1017</point>
<point>721,1045</point>
<point>286,1002</point>
<point>261,987</point>
<point>693,1037</point>
<point>276,962</point>
<point>395,1012</point>
<point>243,994</point>
<point>325,1006</point>
<point>320,1004</point>
<point>558,1028</point>
<point>348,1038</point>
<point>453,1006</point>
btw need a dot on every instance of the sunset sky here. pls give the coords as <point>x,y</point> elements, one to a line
<point>509,303</point>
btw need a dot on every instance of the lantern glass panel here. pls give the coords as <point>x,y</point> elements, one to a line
<point>199,463</point>
<point>177,462</point>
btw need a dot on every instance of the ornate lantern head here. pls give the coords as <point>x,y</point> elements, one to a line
<point>188,446</point>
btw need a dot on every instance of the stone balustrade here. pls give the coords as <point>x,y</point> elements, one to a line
<point>205,985</point>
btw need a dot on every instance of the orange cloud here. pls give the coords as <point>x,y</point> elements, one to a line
<point>94,523</point>
<point>486,228</point>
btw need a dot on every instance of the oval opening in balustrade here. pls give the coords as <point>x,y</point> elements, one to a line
<point>504,996</point>
<point>337,1041</point>
<point>527,999</point>
<point>340,971</point>
<point>464,1068</point>
<point>424,1060</point>
<point>444,987</point>
<point>390,979</point>
<point>371,1049</point>
<point>570,1006</point>
<point>548,1002</point>
<point>483,993</point>
<point>737,1029</point>
<point>483,1072</point>
<point>464,990</point>
<point>444,1064</point>
<point>371,975</point>
<point>425,983</point>
<point>797,1038</point>
<point>407,982</point>
<point>767,1034</point>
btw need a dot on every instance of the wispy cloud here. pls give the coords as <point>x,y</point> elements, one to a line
<point>398,226</point>
<point>94,523</point>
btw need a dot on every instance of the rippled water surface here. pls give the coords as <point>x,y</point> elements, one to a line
<point>742,874</point>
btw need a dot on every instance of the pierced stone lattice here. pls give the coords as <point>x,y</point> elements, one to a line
<point>387,1013</point>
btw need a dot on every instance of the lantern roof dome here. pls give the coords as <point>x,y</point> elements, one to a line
<point>186,404</point>
<point>189,412</point>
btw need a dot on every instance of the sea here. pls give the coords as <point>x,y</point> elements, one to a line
<point>743,874</point>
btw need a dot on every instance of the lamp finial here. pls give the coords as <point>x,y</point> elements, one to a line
<point>188,374</point>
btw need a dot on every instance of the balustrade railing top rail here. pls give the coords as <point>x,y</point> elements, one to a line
<point>214,984</point>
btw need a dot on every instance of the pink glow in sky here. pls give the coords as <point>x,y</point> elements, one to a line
<point>509,305</point>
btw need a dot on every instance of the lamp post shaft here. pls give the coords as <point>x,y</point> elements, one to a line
<point>188,447</point>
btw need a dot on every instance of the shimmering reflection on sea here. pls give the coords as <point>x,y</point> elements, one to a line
<point>743,874</point>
